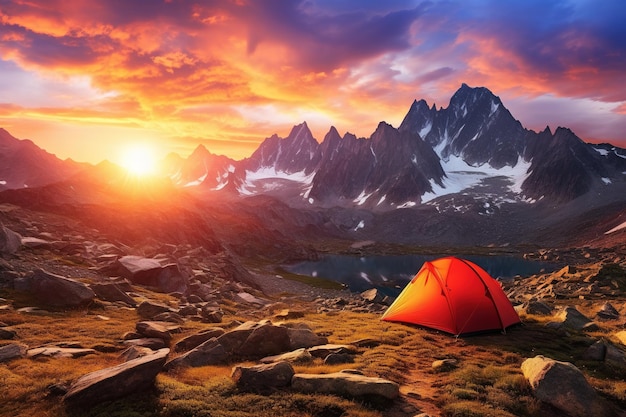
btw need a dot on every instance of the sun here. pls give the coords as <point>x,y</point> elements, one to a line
<point>139,160</point>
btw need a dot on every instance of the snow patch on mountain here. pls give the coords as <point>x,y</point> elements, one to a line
<point>268,179</point>
<point>197,181</point>
<point>461,176</point>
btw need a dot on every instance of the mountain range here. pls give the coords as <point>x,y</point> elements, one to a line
<point>469,173</point>
<point>434,152</point>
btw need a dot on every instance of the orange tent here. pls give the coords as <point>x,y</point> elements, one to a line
<point>453,295</point>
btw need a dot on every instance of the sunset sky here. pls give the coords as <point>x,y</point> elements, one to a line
<point>81,78</point>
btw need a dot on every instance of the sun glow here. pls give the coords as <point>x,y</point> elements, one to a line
<point>139,160</point>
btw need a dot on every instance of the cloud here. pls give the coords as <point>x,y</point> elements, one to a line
<point>349,63</point>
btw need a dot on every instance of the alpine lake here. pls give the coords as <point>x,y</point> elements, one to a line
<point>391,273</point>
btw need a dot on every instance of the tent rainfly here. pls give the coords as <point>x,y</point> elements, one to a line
<point>453,295</point>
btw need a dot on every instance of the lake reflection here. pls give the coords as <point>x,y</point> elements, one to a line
<point>391,273</point>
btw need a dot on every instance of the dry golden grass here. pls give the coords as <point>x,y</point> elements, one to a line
<point>486,381</point>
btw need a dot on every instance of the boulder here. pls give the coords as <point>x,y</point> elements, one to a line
<point>150,272</point>
<point>7,334</point>
<point>573,319</point>
<point>372,295</point>
<point>10,241</point>
<point>296,356</point>
<point>197,339</point>
<point>596,352</point>
<point>338,358</point>
<point>117,381</point>
<point>287,314</point>
<point>112,292</point>
<point>304,338</point>
<point>234,338</point>
<point>263,379</point>
<point>169,317</point>
<point>155,329</point>
<point>444,365</point>
<point>57,291</point>
<point>563,386</point>
<point>210,352</point>
<point>265,340</point>
<point>12,351</point>
<point>607,312</point>
<point>345,384</point>
<point>36,243</point>
<point>134,352</point>
<point>538,308</point>
<point>150,309</point>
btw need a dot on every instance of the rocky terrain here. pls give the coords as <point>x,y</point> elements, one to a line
<point>140,315</point>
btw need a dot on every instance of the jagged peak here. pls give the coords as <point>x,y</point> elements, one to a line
<point>301,131</point>
<point>417,105</point>
<point>201,150</point>
<point>332,132</point>
<point>384,126</point>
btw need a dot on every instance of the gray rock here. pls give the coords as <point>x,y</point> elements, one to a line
<point>251,299</point>
<point>296,356</point>
<point>265,340</point>
<point>169,317</point>
<point>345,384</point>
<point>150,309</point>
<point>197,339</point>
<point>322,351</point>
<point>287,314</point>
<point>59,352</point>
<point>134,352</point>
<point>338,358</point>
<point>148,342</point>
<point>372,295</point>
<point>35,243</point>
<point>156,329</point>
<point>212,314</point>
<point>615,356</point>
<point>12,351</point>
<point>538,308</point>
<point>234,338</point>
<point>573,319</point>
<point>304,338</point>
<point>563,386</point>
<point>150,272</point>
<point>263,379</point>
<point>596,352</point>
<point>57,291</point>
<point>607,312</point>
<point>10,241</point>
<point>444,365</point>
<point>7,334</point>
<point>210,352</point>
<point>112,292</point>
<point>117,381</point>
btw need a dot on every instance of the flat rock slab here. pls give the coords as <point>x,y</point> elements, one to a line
<point>345,384</point>
<point>117,381</point>
<point>59,352</point>
<point>148,342</point>
<point>12,351</point>
<point>322,351</point>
